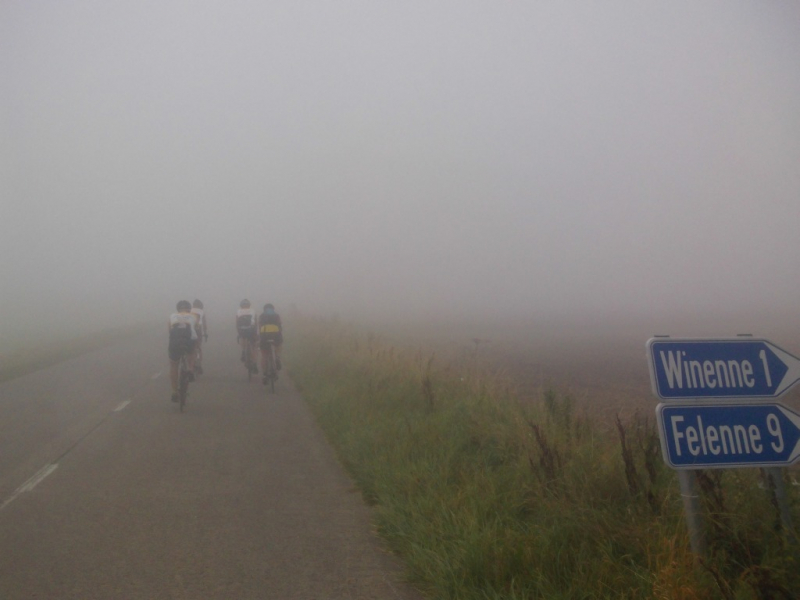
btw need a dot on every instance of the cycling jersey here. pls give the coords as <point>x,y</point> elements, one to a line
<point>246,323</point>
<point>181,325</point>
<point>270,329</point>
<point>182,335</point>
<point>245,318</point>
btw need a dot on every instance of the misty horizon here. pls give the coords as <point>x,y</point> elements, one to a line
<point>529,162</point>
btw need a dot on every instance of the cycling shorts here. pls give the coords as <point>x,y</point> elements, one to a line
<point>178,348</point>
<point>248,333</point>
<point>265,338</point>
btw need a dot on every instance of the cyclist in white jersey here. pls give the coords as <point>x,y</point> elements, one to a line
<point>247,330</point>
<point>182,338</point>
<point>202,334</point>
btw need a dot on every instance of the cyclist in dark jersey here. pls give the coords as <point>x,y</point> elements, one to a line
<point>182,339</point>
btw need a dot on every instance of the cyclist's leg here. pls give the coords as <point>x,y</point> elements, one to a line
<point>174,359</point>
<point>198,349</point>
<point>173,375</point>
<point>264,350</point>
<point>247,350</point>
<point>254,355</point>
<point>275,361</point>
<point>191,355</point>
<point>263,346</point>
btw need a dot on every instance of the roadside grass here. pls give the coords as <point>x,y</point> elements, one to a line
<point>487,497</point>
<point>25,357</point>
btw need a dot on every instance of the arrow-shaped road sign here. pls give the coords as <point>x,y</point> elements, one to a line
<point>681,369</point>
<point>728,435</point>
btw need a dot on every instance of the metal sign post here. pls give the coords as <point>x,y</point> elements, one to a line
<point>691,509</point>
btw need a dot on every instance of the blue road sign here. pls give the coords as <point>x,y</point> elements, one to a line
<point>681,369</point>
<point>695,436</point>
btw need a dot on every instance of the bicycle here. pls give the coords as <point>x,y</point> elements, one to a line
<point>270,370</point>
<point>183,381</point>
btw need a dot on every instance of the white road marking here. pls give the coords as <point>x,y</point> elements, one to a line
<point>122,405</point>
<point>156,376</point>
<point>38,478</point>
<point>31,483</point>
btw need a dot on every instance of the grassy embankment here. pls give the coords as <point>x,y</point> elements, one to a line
<point>485,497</point>
<point>23,357</point>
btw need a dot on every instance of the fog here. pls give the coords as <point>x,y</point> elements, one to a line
<point>407,160</point>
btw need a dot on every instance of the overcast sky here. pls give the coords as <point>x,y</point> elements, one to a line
<point>414,157</point>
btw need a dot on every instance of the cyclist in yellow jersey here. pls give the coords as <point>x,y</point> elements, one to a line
<point>270,330</point>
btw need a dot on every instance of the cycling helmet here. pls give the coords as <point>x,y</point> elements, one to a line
<point>244,303</point>
<point>197,304</point>
<point>268,306</point>
<point>183,305</point>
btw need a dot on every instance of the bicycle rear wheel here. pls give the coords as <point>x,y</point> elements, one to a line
<point>273,373</point>
<point>270,375</point>
<point>183,383</point>
<point>248,363</point>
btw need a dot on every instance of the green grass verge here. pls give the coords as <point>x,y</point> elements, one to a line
<point>29,357</point>
<point>484,497</point>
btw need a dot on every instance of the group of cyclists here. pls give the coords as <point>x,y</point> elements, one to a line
<point>256,334</point>
<point>188,329</point>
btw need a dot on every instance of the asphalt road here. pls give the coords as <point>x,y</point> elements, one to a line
<point>108,491</point>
